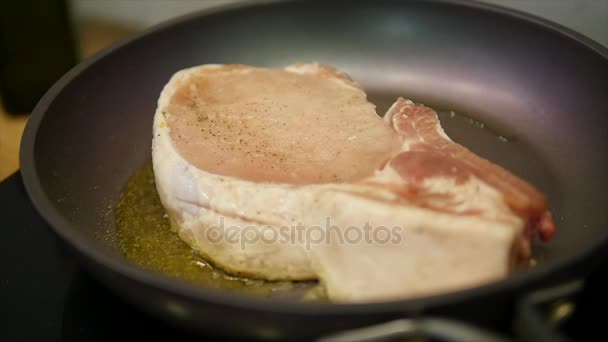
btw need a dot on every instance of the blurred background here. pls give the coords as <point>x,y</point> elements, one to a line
<point>41,40</point>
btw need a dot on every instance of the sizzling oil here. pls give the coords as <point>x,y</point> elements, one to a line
<point>146,238</point>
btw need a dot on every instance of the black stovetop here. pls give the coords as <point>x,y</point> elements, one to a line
<point>45,296</point>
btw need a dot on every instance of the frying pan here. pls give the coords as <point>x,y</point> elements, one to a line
<point>543,86</point>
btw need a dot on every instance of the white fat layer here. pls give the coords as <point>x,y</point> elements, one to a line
<point>315,68</point>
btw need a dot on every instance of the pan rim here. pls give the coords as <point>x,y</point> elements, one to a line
<point>87,247</point>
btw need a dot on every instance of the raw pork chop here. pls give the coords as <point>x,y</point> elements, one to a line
<point>265,171</point>
<point>462,220</point>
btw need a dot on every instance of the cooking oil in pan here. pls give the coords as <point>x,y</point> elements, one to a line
<point>146,238</point>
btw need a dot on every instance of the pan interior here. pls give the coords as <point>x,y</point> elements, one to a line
<point>144,234</point>
<point>541,90</point>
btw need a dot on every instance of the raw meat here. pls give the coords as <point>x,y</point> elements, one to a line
<point>274,173</point>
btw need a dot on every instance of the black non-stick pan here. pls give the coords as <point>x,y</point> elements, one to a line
<point>540,85</point>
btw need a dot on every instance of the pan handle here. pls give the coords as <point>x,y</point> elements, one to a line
<point>540,313</point>
<point>431,328</point>
<point>538,316</point>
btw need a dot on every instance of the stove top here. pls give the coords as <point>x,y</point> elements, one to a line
<point>46,296</point>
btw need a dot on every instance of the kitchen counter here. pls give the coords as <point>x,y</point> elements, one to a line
<point>11,128</point>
